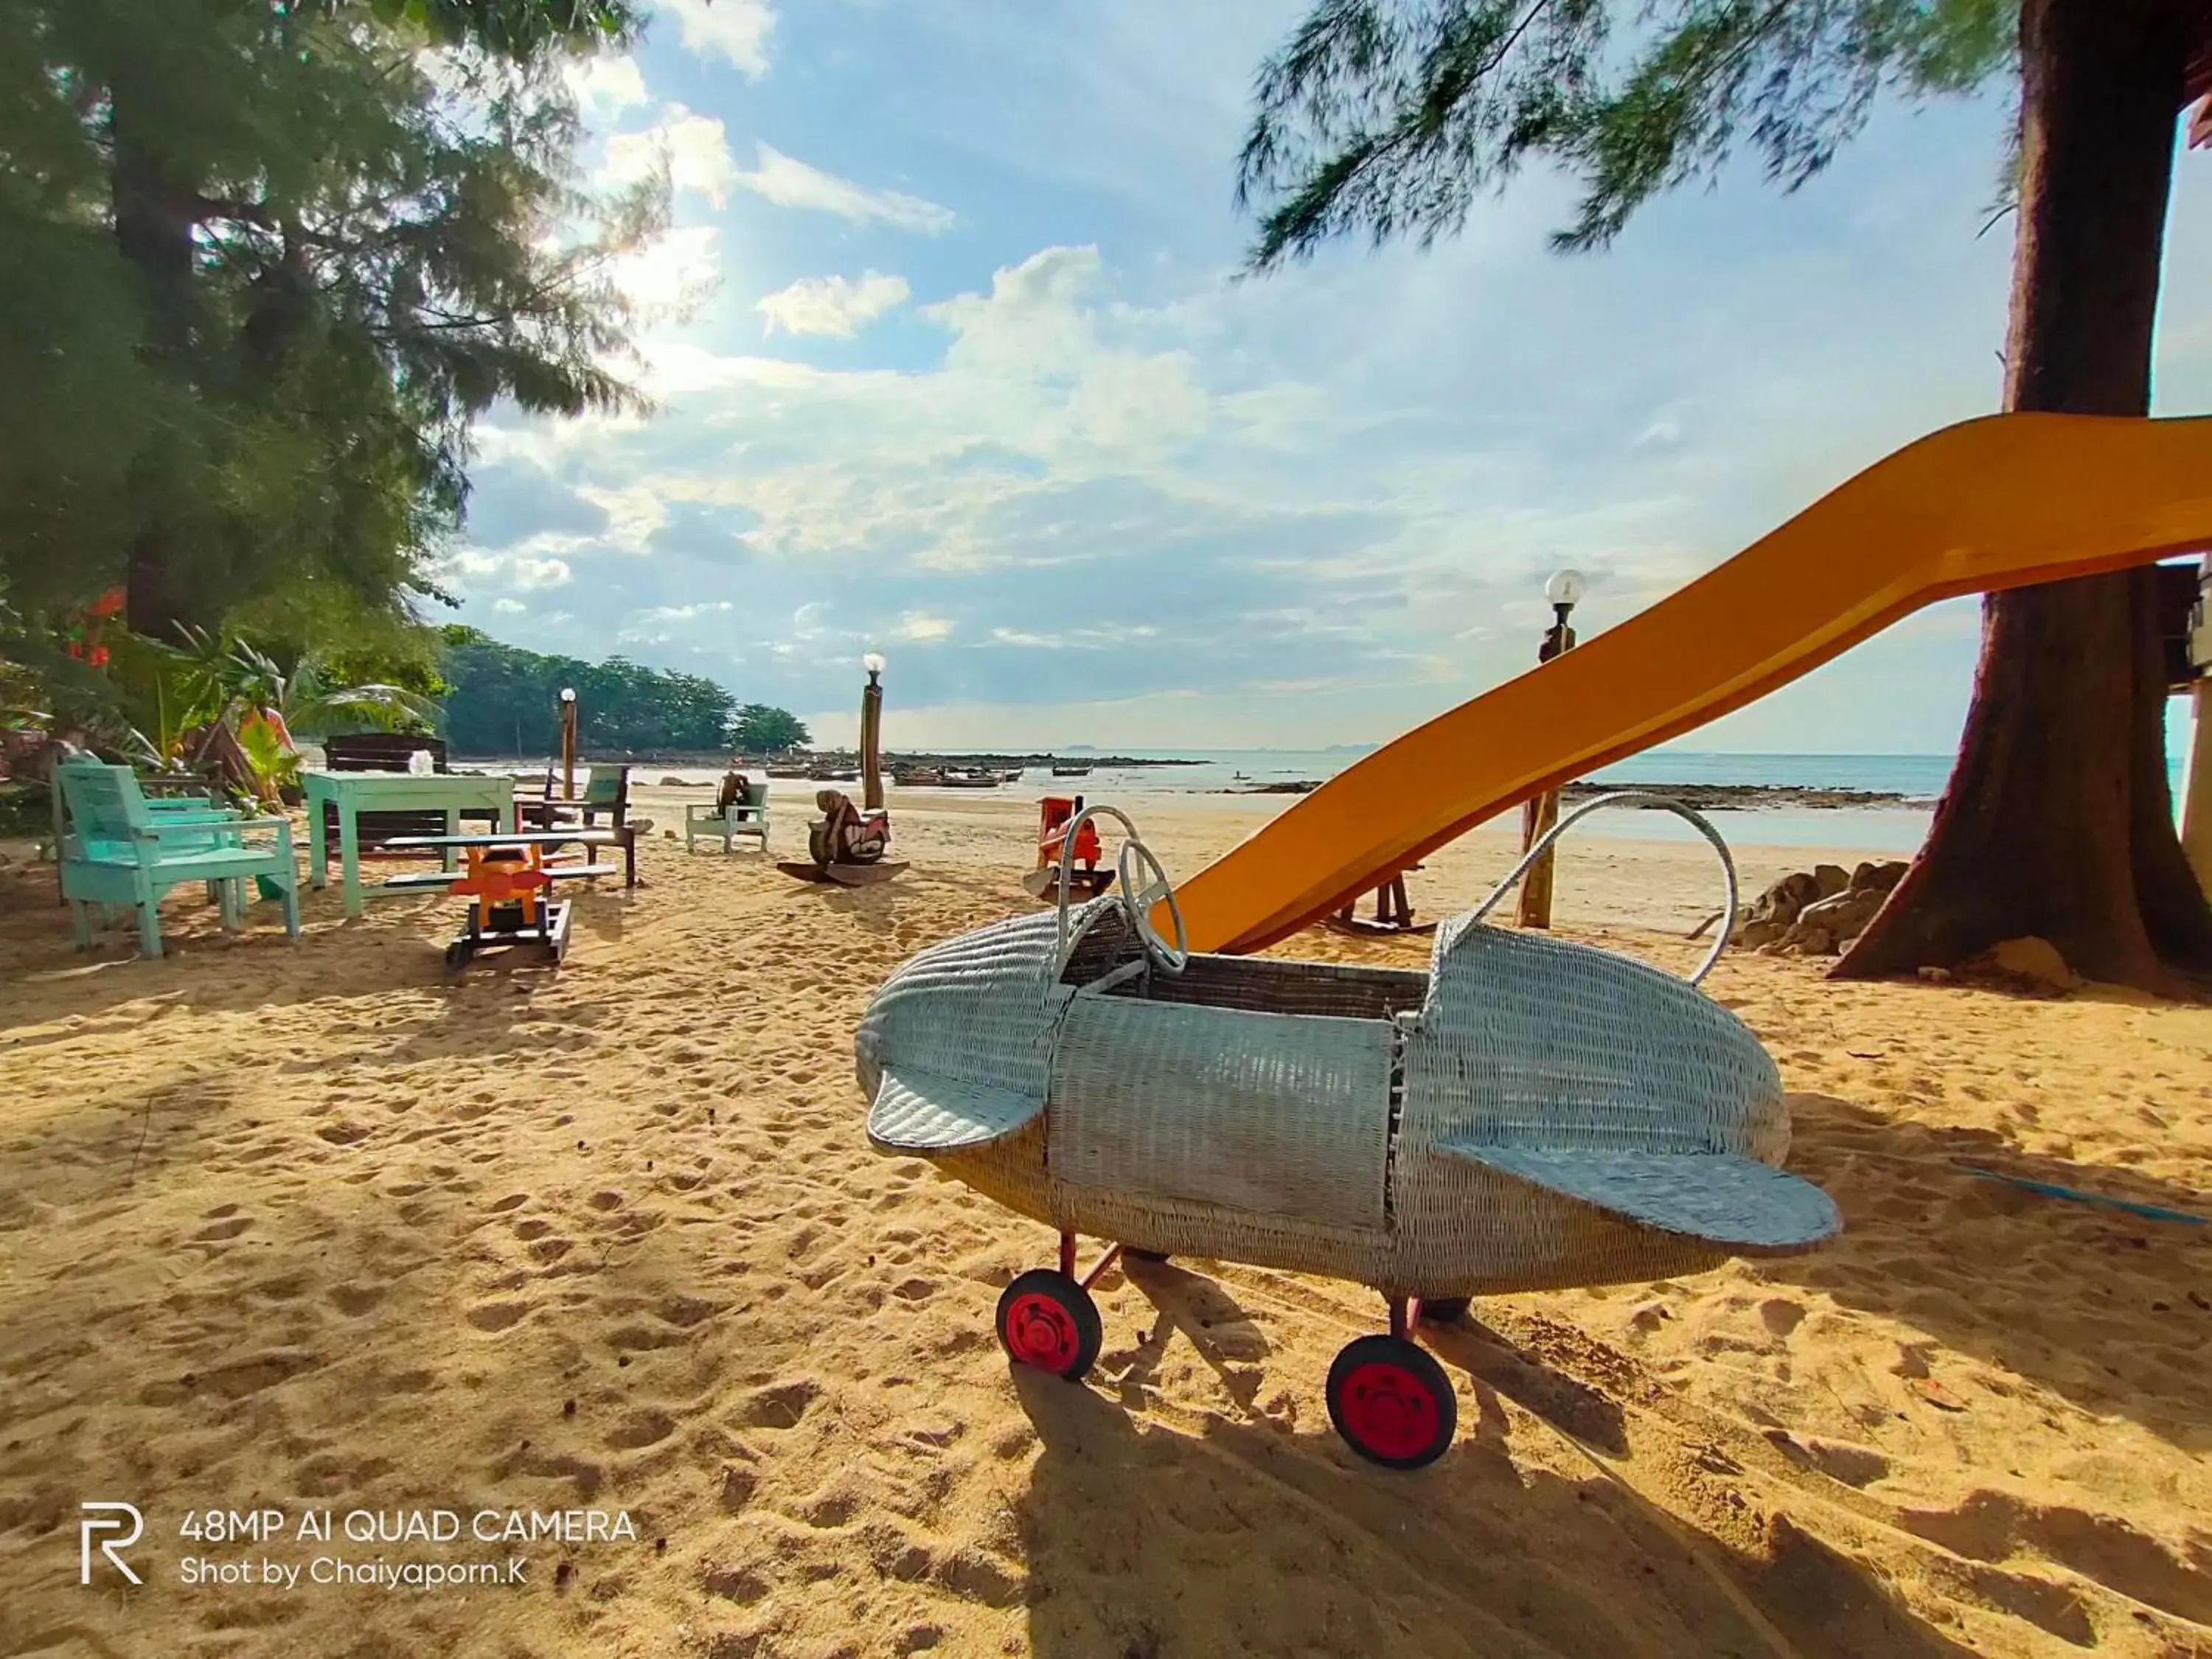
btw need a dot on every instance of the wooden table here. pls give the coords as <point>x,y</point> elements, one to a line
<point>354,793</point>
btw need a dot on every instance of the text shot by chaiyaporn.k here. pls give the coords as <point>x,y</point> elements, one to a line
<point>124,1543</point>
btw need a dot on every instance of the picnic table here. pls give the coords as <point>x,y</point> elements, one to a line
<point>350,793</point>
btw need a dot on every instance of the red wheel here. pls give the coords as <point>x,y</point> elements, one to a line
<point>1392,1402</point>
<point>1048,1320</point>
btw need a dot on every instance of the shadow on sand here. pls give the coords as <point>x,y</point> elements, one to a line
<point>1146,1541</point>
<point>2091,1303</point>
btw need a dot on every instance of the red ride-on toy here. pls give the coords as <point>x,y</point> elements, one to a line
<point>1085,879</point>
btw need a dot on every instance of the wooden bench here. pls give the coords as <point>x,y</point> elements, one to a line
<point>382,752</point>
<point>606,789</point>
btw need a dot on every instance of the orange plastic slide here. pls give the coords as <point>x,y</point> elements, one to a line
<point>2001,502</point>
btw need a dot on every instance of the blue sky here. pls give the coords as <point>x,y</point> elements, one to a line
<point>966,379</point>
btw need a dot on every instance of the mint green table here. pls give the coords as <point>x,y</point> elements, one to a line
<point>354,792</point>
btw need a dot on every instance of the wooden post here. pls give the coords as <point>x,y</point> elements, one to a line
<point>1537,816</point>
<point>567,746</point>
<point>872,736</point>
<point>2196,771</point>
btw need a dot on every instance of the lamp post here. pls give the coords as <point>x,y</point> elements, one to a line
<point>1563,593</point>
<point>568,743</point>
<point>872,724</point>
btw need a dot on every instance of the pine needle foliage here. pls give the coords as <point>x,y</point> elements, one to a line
<point>1387,118</point>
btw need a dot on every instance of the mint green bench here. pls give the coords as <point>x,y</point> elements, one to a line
<point>748,816</point>
<point>121,850</point>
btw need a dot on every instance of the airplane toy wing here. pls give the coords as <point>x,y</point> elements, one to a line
<point>927,1114</point>
<point>1750,1207</point>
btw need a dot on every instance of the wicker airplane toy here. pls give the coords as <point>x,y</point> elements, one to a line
<point>1528,1114</point>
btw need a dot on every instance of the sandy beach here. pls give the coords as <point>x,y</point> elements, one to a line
<point>318,1227</point>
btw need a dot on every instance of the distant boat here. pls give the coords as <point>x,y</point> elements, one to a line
<point>1014,776</point>
<point>915,776</point>
<point>791,771</point>
<point>971,779</point>
<point>1071,771</point>
<point>831,777</point>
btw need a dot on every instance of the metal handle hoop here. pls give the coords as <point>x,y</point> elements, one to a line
<point>1640,798</point>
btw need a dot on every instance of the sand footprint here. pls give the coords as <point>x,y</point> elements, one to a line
<point>354,1300</point>
<point>491,1317</point>
<point>640,1428</point>
<point>735,1584</point>
<point>779,1406</point>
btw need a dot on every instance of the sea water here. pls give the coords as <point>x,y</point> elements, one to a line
<point>1896,827</point>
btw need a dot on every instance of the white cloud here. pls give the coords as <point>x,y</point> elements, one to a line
<point>510,607</point>
<point>1044,386</point>
<point>529,573</point>
<point>789,182</point>
<point>652,626</point>
<point>634,513</point>
<point>1076,639</point>
<point>735,30</point>
<point>606,85</point>
<point>831,305</point>
<point>674,273</point>
<point>693,148</point>
<point>919,625</point>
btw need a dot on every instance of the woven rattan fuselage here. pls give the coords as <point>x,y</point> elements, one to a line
<point>1292,1114</point>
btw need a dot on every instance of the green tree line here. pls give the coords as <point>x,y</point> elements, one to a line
<point>502,699</point>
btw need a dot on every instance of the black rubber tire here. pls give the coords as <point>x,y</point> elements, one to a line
<point>1065,1343</point>
<point>456,954</point>
<point>1399,1442</point>
<point>1445,1309</point>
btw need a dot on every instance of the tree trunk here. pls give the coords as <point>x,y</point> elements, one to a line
<point>2057,820</point>
<point>154,233</point>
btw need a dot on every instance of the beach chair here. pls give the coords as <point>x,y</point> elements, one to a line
<point>606,790</point>
<point>180,796</point>
<point>747,816</point>
<point>121,851</point>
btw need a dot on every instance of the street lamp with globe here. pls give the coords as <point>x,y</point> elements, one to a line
<point>1564,592</point>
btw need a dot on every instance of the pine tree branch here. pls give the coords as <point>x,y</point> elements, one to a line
<point>204,207</point>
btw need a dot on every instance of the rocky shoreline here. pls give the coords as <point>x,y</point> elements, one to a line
<point>1751,797</point>
<point>1703,797</point>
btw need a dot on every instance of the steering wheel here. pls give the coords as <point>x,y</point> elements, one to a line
<point>1139,903</point>
<point>1137,900</point>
